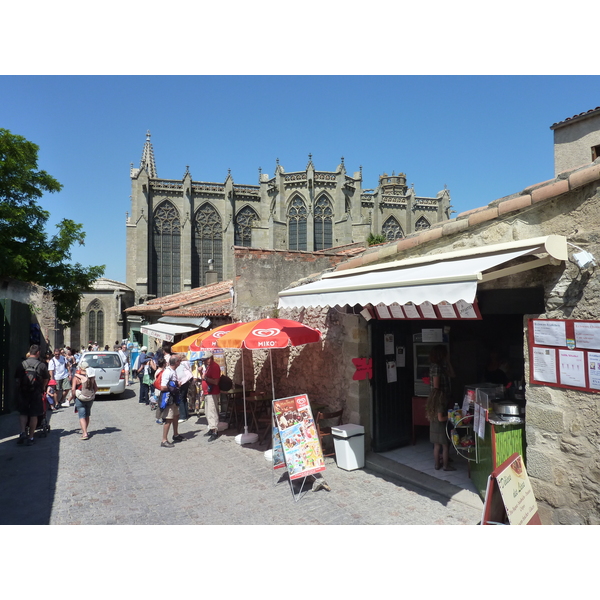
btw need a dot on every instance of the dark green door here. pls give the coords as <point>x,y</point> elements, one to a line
<point>391,399</point>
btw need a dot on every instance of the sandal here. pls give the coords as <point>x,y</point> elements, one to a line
<point>85,437</point>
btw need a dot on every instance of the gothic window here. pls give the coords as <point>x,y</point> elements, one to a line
<point>422,223</point>
<point>243,226</point>
<point>323,224</point>
<point>208,243</point>
<point>297,219</point>
<point>166,250</point>
<point>392,230</point>
<point>96,323</point>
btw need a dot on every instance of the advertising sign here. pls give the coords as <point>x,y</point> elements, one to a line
<point>299,439</point>
<point>510,483</point>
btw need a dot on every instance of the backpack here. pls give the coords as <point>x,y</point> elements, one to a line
<point>85,394</point>
<point>225,383</point>
<point>30,379</point>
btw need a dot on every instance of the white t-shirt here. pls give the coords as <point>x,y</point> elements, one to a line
<point>168,375</point>
<point>59,367</point>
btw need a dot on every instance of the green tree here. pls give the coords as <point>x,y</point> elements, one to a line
<point>27,252</point>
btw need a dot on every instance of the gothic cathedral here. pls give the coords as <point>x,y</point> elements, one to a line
<point>180,229</point>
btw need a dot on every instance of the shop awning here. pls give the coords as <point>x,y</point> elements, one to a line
<point>165,332</point>
<point>445,277</point>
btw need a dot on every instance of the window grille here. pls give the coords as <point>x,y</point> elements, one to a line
<point>422,223</point>
<point>244,222</point>
<point>297,220</point>
<point>96,323</point>
<point>208,243</point>
<point>166,246</point>
<point>392,230</point>
<point>323,224</point>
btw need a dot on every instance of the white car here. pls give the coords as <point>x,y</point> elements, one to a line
<point>110,375</point>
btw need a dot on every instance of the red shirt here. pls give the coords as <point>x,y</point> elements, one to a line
<point>213,372</point>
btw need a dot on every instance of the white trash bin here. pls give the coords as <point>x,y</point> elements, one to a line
<point>349,442</point>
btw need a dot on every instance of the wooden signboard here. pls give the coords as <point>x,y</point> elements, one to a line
<point>509,498</point>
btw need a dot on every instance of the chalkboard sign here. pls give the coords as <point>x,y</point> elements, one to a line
<point>509,498</point>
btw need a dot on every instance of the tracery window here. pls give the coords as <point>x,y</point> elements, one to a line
<point>297,220</point>
<point>166,250</point>
<point>422,223</point>
<point>207,244</point>
<point>96,323</point>
<point>243,226</point>
<point>392,229</point>
<point>323,224</point>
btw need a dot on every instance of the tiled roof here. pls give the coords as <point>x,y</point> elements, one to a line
<point>583,115</point>
<point>219,308</point>
<point>539,192</point>
<point>176,301</point>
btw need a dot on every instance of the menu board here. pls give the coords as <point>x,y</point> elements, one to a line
<point>427,310</point>
<point>510,483</point>
<point>587,335</point>
<point>383,311</point>
<point>565,353</point>
<point>299,438</point>
<point>396,310</point>
<point>593,366</point>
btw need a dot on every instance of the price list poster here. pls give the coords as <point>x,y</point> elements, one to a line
<point>565,353</point>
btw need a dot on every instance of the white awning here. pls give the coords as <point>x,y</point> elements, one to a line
<point>445,277</point>
<point>165,332</point>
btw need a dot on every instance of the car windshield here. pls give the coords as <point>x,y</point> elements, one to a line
<point>103,361</point>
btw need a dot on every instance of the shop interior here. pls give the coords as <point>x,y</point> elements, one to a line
<point>487,350</point>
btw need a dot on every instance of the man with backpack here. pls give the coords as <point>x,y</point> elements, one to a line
<point>32,379</point>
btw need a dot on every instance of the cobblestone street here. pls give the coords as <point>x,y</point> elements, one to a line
<point>121,475</point>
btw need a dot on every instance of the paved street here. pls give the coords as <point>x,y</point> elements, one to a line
<point>121,475</point>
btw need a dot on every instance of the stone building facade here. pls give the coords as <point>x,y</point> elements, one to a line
<point>576,140</point>
<point>177,226</point>
<point>104,320</point>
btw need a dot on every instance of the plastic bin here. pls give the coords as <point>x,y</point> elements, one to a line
<point>349,442</point>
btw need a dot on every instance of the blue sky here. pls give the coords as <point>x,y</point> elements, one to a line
<point>484,137</point>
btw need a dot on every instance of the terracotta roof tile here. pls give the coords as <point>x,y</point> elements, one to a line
<point>219,308</point>
<point>587,113</point>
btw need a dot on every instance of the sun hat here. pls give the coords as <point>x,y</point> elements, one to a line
<point>83,365</point>
<point>207,355</point>
<point>144,348</point>
<point>52,382</point>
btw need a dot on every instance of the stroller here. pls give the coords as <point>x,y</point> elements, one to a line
<point>43,423</point>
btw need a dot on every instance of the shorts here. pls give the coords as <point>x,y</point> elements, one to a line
<point>31,406</point>
<point>63,384</point>
<point>170,412</point>
<point>84,409</point>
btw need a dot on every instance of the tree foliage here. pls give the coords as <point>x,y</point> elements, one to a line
<point>27,252</point>
<point>376,238</point>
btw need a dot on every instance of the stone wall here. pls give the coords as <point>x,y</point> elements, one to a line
<point>262,274</point>
<point>573,143</point>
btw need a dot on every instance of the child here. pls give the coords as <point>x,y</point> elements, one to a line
<point>51,395</point>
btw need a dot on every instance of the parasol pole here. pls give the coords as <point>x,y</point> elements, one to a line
<point>245,438</point>
<point>272,380</point>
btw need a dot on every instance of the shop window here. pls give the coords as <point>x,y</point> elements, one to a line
<point>323,224</point>
<point>297,221</point>
<point>166,250</point>
<point>207,244</point>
